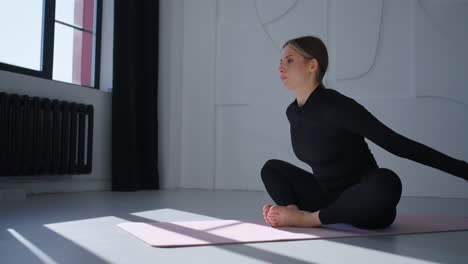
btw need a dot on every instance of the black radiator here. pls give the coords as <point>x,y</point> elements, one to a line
<point>42,136</point>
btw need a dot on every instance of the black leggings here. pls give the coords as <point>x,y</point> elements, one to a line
<point>370,203</point>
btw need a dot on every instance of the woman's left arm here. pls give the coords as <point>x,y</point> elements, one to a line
<point>355,118</point>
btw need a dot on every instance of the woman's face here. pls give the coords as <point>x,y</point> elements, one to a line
<point>295,70</point>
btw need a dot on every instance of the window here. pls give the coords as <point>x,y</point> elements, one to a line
<point>53,39</point>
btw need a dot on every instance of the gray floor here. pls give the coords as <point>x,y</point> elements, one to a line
<point>81,228</point>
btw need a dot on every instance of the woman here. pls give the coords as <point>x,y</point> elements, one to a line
<point>327,132</point>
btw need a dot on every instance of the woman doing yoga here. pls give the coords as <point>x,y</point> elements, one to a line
<point>327,132</point>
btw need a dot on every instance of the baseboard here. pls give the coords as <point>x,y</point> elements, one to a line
<point>12,194</point>
<point>13,190</point>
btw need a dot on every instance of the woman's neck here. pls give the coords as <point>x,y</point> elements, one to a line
<point>302,93</point>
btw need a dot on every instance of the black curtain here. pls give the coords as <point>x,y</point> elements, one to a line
<point>134,96</point>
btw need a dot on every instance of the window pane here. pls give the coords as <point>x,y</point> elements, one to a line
<point>21,31</point>
<point>73,56</point>
<point>79,13</point>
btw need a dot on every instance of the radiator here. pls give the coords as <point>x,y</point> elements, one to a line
<point>42,136</point>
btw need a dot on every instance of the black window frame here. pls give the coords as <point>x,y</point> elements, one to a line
<point>48,48</point>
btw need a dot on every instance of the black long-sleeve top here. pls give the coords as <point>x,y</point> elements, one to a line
<point>328,132</point>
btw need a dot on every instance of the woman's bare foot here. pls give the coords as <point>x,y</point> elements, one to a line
<point>293,206</point>
<point>266,210</point>
<point>288,216</point>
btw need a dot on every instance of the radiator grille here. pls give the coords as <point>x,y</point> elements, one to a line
<point>42,136</point>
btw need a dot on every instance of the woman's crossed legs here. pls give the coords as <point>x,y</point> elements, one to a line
<point>370,203</point>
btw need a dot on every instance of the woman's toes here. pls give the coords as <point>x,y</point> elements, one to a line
<point>275,209</point>
<point>265,216</point>
<point>267,207</point>
<point>270,219</point>
<point>272,216</point>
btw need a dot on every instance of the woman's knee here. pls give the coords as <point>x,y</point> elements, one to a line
<point>387,185</point>
<point>391,179</point>
<point>378,221</point>
<point>385,178</point>
<point>270,168</point>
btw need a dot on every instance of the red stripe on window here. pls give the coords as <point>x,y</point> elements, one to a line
<point>83,42</point>
<point>88,14</point>
<point>86,59</point>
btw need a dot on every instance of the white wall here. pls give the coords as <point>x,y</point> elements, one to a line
<point>99,179</point>
<point>169,94</point>
<point>223,107</point>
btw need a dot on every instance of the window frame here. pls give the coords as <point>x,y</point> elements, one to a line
<point>48,48</point>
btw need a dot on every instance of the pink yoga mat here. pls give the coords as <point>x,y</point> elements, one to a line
<point>197,233</point>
